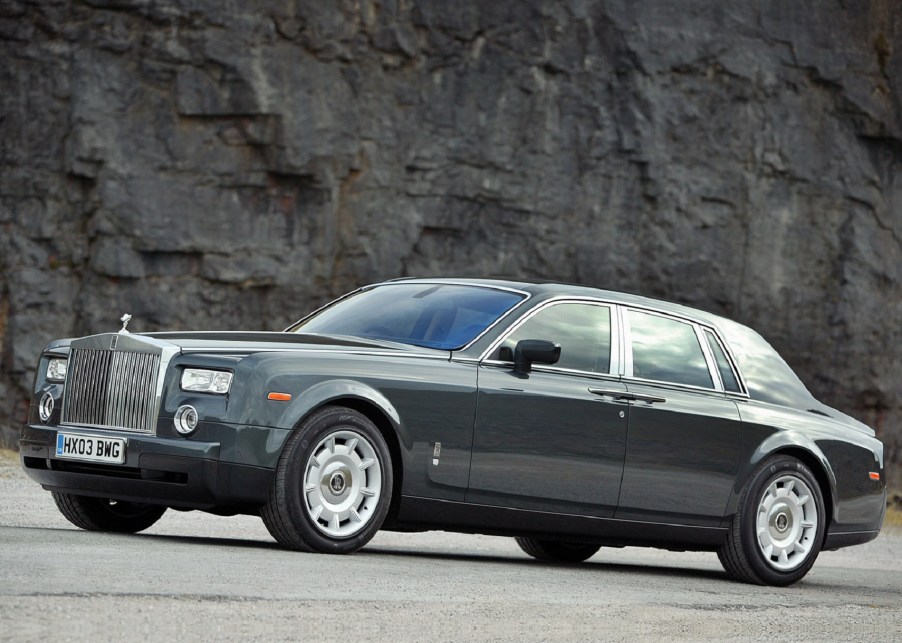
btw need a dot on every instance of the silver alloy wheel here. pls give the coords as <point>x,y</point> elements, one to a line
<point>786,524</point>
<point>342,483</point>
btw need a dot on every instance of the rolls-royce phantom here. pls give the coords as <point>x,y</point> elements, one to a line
<point>566,417</point>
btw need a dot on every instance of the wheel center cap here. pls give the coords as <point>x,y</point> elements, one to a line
<point>781,523</point>
<point>337,482</point>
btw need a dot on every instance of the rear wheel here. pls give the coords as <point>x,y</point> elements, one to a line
<point>557,550</point>
<point>103,514</point>
<point>333,484</point>
<point>777,532</point>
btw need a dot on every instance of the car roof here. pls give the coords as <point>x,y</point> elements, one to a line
<point>546,290</point>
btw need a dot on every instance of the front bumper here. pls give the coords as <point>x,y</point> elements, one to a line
<point>157,470</point>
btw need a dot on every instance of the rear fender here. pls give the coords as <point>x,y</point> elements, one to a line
<point>782,442</point>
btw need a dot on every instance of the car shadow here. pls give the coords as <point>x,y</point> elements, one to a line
<point>187,540</point>
<point>589,566</point>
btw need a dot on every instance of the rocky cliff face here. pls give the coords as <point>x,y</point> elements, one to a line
<point>227,165</point>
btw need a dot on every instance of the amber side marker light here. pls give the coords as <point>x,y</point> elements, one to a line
<point>279,397</point>
<point>874,475</point>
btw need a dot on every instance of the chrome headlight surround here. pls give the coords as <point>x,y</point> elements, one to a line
<point>202,380</point>
<point>57,368</point>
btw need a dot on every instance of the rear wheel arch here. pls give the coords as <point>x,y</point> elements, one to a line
<point>821,475</point>
<point>802,448</point>
<point>778,529</point>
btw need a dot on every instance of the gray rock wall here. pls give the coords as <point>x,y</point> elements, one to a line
<point>228,165</point>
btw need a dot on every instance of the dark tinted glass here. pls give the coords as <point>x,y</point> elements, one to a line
<point>723,364</point>
<point>443,316</point>
<point>582,330</point>
<point>667,350</point>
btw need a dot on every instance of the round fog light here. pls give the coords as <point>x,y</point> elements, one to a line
<point>185,419</point>
<point>45,408</point>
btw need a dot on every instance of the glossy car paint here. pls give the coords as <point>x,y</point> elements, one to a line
<point>682,456</point>
<point>544,442</point>
<point>478,447</point>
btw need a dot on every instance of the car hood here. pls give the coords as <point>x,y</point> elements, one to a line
<point>242,342</point>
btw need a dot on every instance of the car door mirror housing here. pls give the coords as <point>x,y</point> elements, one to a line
<point>539,351</point>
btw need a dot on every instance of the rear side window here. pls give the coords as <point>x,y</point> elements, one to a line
<point>667,350</point>
<point>582,330</point>
<point>723,364</point>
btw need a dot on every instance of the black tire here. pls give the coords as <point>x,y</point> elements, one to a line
<point>753,559</point>
<point>557,550</point>
<point>345,441</point>
<point>103,514</point>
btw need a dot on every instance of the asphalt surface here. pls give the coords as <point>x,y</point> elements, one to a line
<point>204,578</point>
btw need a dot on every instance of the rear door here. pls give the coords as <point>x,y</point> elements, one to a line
<point>684,440</point>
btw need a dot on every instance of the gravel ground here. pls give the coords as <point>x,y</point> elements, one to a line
<point>199,577</point>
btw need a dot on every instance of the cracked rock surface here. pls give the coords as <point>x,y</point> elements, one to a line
<point>223,166</point>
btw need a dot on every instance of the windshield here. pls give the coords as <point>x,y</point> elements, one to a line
<point>442,316</point>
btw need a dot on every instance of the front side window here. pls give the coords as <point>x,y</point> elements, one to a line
<point>667,350</point>
<point>443,316</point>
<point>583,331</point>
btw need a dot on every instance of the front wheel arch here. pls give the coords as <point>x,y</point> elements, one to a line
<point>359,397</point>
<point>308,511</point>
<point>387,428</point>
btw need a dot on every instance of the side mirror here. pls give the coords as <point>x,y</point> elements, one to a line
<point>529,351</point>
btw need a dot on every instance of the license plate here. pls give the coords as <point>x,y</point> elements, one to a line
<point>90,448</point>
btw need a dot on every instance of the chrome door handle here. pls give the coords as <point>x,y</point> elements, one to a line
<point>610,393</point>
<point>651,399</point>
<point>626,396</point>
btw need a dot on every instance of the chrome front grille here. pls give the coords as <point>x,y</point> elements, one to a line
<point>112,389</point>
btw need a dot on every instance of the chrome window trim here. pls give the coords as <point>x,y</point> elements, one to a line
<point>552,370</point>
<point>713,371</point>
<point>676,385</point>
<point>699,327</point>
<point>734,367</point>
<point>555,301</point>
<point>526,297</point>
<point>627,339</point>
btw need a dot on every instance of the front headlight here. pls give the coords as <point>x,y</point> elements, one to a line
<point>205,381</point>
<point>56,369</point>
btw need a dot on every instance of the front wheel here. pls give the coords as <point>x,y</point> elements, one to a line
<point>557,550</point>
<point>777,532</point>
<point>103,514</point>
<point>332,486</point>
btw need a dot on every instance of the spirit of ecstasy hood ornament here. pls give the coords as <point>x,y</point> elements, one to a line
<point>124,319</point>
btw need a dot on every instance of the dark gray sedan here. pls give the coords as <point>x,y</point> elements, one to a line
<point>567,417</point>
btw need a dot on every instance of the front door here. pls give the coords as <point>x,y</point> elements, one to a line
<point>553,439</point>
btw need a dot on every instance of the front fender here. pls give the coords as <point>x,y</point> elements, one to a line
<point>323,393</point>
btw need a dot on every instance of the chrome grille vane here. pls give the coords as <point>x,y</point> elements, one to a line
<point>112,389</point>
